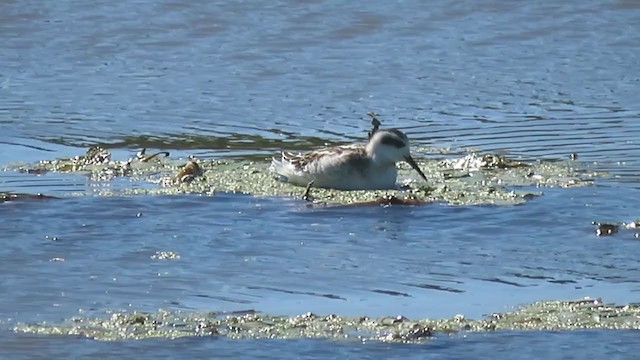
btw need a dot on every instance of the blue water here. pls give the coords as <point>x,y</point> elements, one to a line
<point>537,80</point>
<point>533,345</point>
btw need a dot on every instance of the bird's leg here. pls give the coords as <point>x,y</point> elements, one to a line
<point>307,196</point>
<point>144,158</point>
<point>147,158</point>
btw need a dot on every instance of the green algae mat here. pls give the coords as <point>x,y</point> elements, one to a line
<point>469,179</point>
<point>544,315</point>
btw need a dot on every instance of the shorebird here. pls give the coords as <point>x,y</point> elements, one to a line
<point>370,166</point>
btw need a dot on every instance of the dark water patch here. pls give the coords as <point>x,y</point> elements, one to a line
<point>437,287</point>
<point>293,292</point>
<point>242,146</point>
<point>447,277</point>
<point>224,298</point>
<point>7,196</point>
<point>390,292</point>
<point>533,277</point>
<point>35,147</point>
<point>563,281</point>
<point>624,5</point>
<point>502,281</point>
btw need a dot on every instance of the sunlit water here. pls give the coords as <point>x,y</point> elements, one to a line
<point>532,80</point>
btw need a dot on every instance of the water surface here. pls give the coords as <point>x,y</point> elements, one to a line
<point>536,80</point>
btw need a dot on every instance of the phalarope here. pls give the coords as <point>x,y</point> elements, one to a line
<point>349,167</point>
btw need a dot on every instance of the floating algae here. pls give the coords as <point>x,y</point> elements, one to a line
<point>468,180</point>
<point>544,315</point>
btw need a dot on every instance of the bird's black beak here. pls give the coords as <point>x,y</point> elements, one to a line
<point>415,167</point>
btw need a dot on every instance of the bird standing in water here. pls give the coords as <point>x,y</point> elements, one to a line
<point>370,166</point>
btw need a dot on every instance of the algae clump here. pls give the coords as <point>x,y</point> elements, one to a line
<point>543,315</point>
<point>468,180</point>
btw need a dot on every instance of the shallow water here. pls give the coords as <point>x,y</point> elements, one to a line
<point>278,256</point>
<point>536,80</point>
<point>565,345</point>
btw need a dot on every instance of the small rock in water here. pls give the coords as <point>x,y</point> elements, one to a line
<point>604,229</point>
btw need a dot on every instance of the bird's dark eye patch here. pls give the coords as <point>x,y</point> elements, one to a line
<point>399,133</point>
<point>392,141</point>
